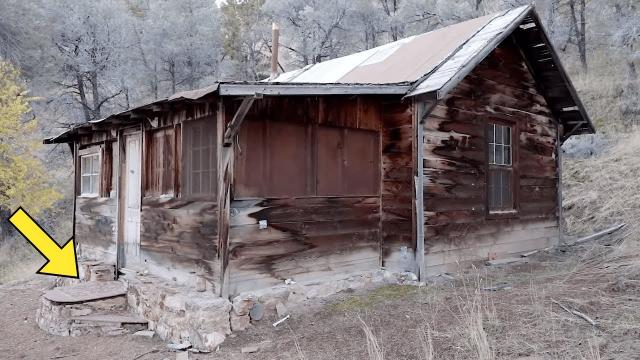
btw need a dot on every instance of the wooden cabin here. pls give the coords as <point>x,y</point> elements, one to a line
<point>414,156</point>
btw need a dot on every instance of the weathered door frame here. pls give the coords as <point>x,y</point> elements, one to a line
<point>121,168</point>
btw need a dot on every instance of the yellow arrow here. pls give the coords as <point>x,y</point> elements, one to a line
<point>61,261</point>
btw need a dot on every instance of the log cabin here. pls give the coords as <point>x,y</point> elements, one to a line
<point>417,155</point>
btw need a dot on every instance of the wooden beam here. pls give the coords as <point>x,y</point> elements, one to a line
<point>422,110</point>
<point>234,125</point>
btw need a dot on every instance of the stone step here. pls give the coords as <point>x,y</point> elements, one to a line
<point>84,292</point>
<point>106,324</point>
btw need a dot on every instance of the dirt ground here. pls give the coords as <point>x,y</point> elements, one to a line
<point>485,313</point>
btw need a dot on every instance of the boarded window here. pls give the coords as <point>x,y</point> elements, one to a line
<point>500,181</point>
<point>199,154</point>
<point>348,162</point>
<point>161,162</point>
<point>286,159</point>
<point>90,175</point>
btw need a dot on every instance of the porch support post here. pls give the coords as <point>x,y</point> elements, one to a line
<point>225,184</point>
<point>422,108</point>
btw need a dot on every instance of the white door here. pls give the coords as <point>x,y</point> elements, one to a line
<point>132,188</point>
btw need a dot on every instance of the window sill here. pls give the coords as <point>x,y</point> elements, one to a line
<point>503,214</point>
<point>88,196</point>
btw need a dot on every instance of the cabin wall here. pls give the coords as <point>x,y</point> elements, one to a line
<point>179,232</point>
<point>398,194</point>
<point>96,217</point>
<point>457,224</point>
<point>306,237</point>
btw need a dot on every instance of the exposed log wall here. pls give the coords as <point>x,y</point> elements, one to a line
<point>458,226</point>
<point>398,243</point>
<point>311,237</point>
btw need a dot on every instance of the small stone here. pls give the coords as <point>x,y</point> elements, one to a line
<point>250,349</point>
<point>281,310</point>
<point>242,304</point>
<point>184,355</point>
<point>181,346</point>
<point>80,312</point>
<point>144,333</point>
<point>239,322</point>
<point>257,312</point>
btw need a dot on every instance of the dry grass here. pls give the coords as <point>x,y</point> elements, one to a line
<point>374,348</point>
<point>602,191</point>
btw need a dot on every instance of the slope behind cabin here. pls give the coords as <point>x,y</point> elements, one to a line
<point>413,156</point>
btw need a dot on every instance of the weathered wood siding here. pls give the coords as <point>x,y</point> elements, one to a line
<point>95,228</point>
<point>398,243</point>
<point>311,237</point>
<point>179,234</point>
<point>457,224</point>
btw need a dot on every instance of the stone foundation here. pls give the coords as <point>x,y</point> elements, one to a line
<point>179,314</point>
<point>80,319</point>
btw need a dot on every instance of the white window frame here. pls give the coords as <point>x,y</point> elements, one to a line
<point>90,175</point>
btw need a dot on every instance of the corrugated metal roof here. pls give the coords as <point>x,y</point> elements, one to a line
<point>428,63</point>
<point>403,61</point>
<point>474,48</point>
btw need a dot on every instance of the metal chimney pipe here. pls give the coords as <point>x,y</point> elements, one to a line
<point>275,42</point>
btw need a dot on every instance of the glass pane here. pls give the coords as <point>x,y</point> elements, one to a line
<point>84,165</point>
<point>507,155</point>
<point>506,135</point>
<point>85,186</point>
<point>491,131</point>
<point>492,154</point>
<point>499,155</point>
<point>95,167</point>
<point>507,202</point>
<point>94,184</point>
<point>498,134</point>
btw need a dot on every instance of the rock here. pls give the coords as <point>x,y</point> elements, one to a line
<point>250,349</point>
<point>242,304</point>
<point>281,310</point>
<point>80,312</point>
<point>184,355</point>
<point>145,333</point>
<point>239,322</point>
<point>180,346</point>
<point>503,261</point>
<point>274,296</point>
<point>257,312</point>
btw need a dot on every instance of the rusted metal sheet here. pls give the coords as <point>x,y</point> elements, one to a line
<point>402,61</point>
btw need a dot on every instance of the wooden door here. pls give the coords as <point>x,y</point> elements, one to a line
<point>131,201</point>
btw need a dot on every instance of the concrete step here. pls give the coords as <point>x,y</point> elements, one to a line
<point>111,324</point>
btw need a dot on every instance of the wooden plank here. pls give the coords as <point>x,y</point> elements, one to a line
<point>234,125</point>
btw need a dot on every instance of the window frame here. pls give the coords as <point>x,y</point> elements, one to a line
<point>186,158</point>
<point>512,167</point>
<point>97,174</point>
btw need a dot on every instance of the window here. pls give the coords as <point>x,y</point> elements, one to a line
<point>500,181</point>
<point>199,153</point>
<point>90,175</point>
<point>286,159</point>
<point>161,160</point>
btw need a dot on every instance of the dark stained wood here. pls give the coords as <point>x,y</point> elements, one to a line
<point>397,228</point>
<point>458,225</point>
<point>306,239</point>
